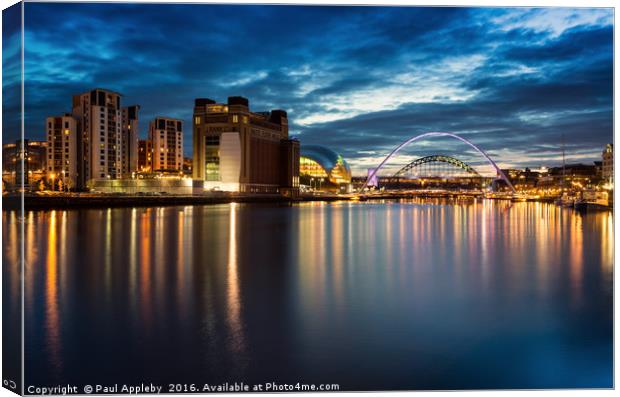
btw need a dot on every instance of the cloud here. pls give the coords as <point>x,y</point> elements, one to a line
<point>359,79</point>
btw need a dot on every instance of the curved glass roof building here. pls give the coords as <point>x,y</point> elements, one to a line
<point>321,162</point>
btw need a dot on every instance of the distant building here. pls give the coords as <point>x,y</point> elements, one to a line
<point>187,166</point>
<point>166,136</point>
<point>320,168</point>
<point>129,141</point>
<point>98,113</point>
<point>574,176</point>
<point>239,150</point>
<point>524,180</point>
<point>62,150</point>
<point>608,164</point>
<point>599,168</point>
<point>33,167</point>
<point>145,153</point>
<point>575,170</point>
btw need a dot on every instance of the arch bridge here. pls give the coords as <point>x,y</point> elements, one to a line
<point>500,173</point>
<point>437,166</point>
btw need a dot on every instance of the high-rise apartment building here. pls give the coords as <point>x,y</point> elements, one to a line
<point>62,150</point>
<point>24,161</point>
<point>608,163</point>
<point>239,150</point>
<point>145,153</point>
<point>129,141</point>
<point>98,115</point>
<point>166,136</point>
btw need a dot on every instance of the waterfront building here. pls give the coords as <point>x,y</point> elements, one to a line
<point>98,115</point>
<point>289,167</point>
<point>239,150</point>
<point>34,165</point>
<point>599,169</point>
<point>320,168</point>
<point>187,166</point>
<point>62,151</point>
<point>607,171</point>
<point>129,141</point>
<point>523,180</point>
<point>145,153</point>
<point>575,176</point>
<point>166,136</point>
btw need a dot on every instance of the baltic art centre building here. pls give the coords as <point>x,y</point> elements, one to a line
<point>242,151</point>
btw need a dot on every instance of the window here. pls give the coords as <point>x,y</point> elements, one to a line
<point>66,124</point>
<point>197,120</point>
<point>213,140</point>
<point>235,118</point>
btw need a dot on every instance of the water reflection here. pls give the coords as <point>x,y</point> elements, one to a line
<point>234,296</point>
<point>362,294</point>
<point>52,318</point>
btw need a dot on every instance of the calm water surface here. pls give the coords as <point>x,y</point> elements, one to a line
<point>394,295</point>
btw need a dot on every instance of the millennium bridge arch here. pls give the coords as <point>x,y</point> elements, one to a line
<point>500,173</point>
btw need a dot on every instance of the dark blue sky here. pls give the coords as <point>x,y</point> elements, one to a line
<point>358,79</point>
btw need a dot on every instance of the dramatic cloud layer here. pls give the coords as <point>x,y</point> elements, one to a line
<point>515,81</point>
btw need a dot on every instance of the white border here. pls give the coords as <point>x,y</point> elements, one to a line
<point>479,3</point>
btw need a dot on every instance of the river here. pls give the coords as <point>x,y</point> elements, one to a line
<point>394,295</point>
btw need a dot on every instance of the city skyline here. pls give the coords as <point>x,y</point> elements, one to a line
<point>358,79</point>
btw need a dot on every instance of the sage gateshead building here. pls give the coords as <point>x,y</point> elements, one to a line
<point>242,151</point>
<point>320,168</point>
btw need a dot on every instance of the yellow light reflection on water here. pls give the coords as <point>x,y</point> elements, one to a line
<point>52,318</point>
<point>232,283</point>
<point>607,243</point>
<point>145,268</point>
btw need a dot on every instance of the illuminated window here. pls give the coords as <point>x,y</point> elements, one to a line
<point>66,132</point>
<point>245,119</point>
<point>197,120</point>
<point>235,118</point>
<point>217,108</point>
